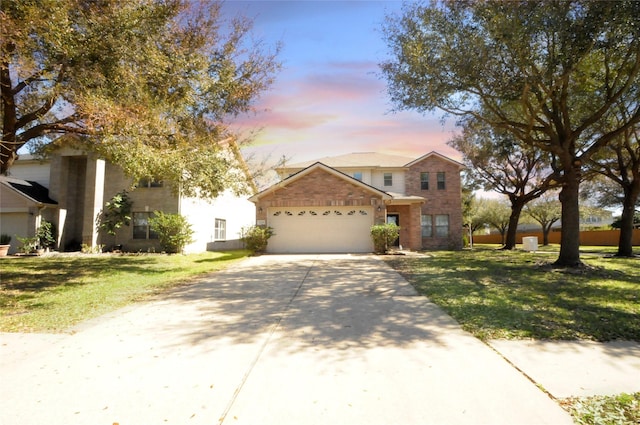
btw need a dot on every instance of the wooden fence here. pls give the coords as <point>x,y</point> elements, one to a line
<point>589,237</point>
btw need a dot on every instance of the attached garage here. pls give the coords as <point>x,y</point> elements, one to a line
<point>320,210</point>
<point>320,230</point>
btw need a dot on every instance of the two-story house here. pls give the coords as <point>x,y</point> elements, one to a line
<point>70,189</point>
<point>329,205</point>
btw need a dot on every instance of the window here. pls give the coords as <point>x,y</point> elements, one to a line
<point>440,180</point>
<point>388,179</point>
<point>426,225</point>
<point>424,181</point>
<point>220,231</point>
<point>149,182</point>
<point>357,175</point>
<point>141,229</point>
<point>442,226</point>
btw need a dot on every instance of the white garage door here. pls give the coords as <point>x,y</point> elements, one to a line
<point>315,229</point>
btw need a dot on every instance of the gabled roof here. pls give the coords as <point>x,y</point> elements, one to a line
<point>356,159</point>
<point>436,154</point>
<point>315,166</point>
<point>33,191</point>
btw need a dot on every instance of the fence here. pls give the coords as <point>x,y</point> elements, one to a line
<point>588,237</point>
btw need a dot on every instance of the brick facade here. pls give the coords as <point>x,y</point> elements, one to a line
<point>320,188</point>
<point>319,185</point>
<point>447,201</point>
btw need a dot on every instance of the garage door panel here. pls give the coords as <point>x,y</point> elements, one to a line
<point>334,229</point>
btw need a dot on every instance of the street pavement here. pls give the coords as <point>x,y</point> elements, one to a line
<point>310,339</point>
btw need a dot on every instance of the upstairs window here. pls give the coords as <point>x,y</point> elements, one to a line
<point>141,228</point>
<point>424,181</point>
<point>149,182</point>
<point>357,176</point>
<point>220,230</point>
<point>388,179</point>
<point>441,185</point>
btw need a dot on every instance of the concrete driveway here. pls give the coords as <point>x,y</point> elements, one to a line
<point>324,339</point>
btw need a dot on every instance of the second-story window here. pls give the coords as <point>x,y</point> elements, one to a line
<point>424,181</point>
<point>388,179</point>
<point>441,185</point>
<point>149,182</point>
<point>357,175</point>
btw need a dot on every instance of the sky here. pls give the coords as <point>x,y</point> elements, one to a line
<point>330,98</point>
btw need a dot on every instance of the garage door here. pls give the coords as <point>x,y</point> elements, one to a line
<point>314,229</point>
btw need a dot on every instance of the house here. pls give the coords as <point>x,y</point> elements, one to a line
<point>70,189</point>
<point>329,205</point>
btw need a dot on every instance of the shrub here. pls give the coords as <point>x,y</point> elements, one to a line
<point>29,245</point>
<point>174,231</point>
<point>5,239</point>
<point>384,235</point>
<point>45,235</point>
<point>255,238</point>
<point>116,213</point>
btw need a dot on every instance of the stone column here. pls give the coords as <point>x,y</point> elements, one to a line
<point>93,199</point>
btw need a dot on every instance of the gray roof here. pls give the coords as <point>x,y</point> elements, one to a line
<point>29,189</point>
<point>357,159</point>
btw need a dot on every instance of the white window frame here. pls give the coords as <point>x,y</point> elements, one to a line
<point>220,229</point>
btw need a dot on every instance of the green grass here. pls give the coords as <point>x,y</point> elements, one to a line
<point>622,409</point>
<point>516,294</point>
<point>54,293</point>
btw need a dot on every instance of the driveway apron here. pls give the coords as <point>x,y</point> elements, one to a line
<point>316,339</point>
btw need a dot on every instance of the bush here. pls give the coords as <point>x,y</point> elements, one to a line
<point>174,231</point>
<point>255,238</point>
<point>384,235</point>
<point>46,235</point>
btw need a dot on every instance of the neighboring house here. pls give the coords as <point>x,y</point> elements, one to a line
<point>70,190</point>
<point>329,205</point>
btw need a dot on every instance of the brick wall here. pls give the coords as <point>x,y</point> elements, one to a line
<point>447,201</point>
<point>320,188</point>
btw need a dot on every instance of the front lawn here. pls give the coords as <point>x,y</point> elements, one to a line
<point>516,294</point>
<point>53,293</point>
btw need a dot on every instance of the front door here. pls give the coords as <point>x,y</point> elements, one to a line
<point>395,219</point>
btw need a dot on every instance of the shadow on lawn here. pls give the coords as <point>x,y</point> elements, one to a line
<point>508,296</point>
<point>42,273</point>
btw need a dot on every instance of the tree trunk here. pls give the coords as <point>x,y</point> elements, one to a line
<point>625,245</point>
<point>545,234</point>
<point>514,218</point>
<point>570,237</point>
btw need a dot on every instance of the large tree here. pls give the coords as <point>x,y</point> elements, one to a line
<point>146,84</point>
<point>502,165</point>
<point>549,72</point>
<point>619,162</point>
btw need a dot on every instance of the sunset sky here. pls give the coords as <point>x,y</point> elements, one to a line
<point>329,98</point>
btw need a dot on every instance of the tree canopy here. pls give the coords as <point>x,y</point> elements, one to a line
<point>548,72</point>
<point>148,85</point>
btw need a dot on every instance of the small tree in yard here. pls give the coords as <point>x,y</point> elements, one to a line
<point>256,238</point>
<point>116,213</point>
<point>174,231</point>
<point>384,235</point>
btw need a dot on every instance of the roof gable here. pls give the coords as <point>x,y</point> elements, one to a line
<point>437,155</point>
<point>318,166</point>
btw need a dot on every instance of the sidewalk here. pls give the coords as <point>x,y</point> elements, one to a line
<point>277,340</point>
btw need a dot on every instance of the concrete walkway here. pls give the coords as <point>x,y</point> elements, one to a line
<point>331,339</point>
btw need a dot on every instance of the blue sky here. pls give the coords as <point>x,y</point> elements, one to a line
<point>329,98</point>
